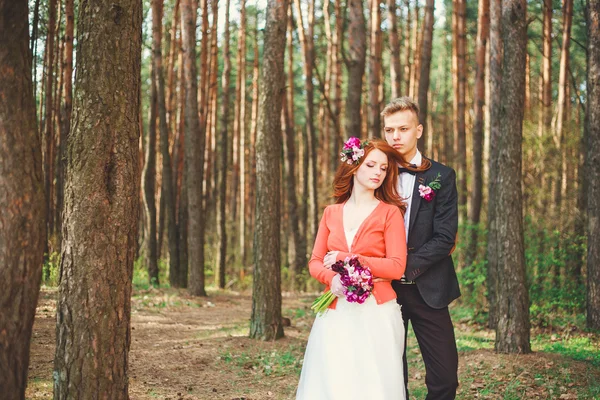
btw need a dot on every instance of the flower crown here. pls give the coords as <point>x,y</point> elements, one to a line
<point>353,150</point>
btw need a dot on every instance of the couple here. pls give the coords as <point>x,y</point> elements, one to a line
<point>398,212</point>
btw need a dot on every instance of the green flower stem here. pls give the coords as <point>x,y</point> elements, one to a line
<point>322,303</point>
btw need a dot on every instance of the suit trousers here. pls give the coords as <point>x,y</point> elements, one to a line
<point>435,334</point>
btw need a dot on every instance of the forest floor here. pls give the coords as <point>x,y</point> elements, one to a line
<point>197,348</point>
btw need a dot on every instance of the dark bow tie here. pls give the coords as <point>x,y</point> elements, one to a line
<point>409,171</point>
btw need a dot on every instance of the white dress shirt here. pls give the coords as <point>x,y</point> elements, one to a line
<point>406,185</point>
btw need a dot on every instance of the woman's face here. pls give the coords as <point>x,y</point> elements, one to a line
<point>373,170</point>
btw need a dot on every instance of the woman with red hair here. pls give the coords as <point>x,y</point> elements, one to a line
<point>355,350</point>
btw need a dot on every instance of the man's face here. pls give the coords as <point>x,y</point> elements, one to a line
<point>402,130</point>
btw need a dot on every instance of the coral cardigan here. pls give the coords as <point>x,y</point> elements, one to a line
<point>379,243</point>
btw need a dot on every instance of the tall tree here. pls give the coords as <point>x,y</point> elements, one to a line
<point>336,79</point>
<point>459,20</point>
<point>495,70</point>
<point>194,153</point>
<point>375,71</point>
<point>425,65</point>
<point>355,64</point>
<point>395,49</point>
<point>167,170</point>
<point>149,188</point>
<point>241,132</point>
<point>512,332</point>
<point>22,206</point>
<point>483,32</point>
<point>265,322</point>
<point>545,108</point>
<point>101,215</point>
<point>48,112</point>
<point>593,165</point>
<point>306,40</point>
<point>66,111</point>
<point>222,160</point>
<point>561,114</point>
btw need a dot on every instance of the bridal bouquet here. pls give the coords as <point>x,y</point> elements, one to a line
<point>356,279</point>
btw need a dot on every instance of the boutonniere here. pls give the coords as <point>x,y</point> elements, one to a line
<point>428,192</point>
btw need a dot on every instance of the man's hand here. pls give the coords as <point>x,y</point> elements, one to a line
<point>330,259</point>
<point>336,286</point>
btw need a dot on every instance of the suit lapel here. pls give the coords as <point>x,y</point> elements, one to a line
<point>415,200</point>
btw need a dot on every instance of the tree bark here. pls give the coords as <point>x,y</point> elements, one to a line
<point>167,170</point>
<point>395,66</point>
<point>265,323</point>
<point>306,40</point>
<point>48,120</point>
<point>357,52</point>
<point>593,165</point>
<point>149,188</point>
<point>375,72</point>
<point>460,82</point>
<point>22,202</point>
<point>336,78</point>
<point>66,113</point>
<point>545,107</point>
<point>425,65</point>
<point>194,153</point>
<point>242,133</point>
<point>512,332</point>
<point>101,216</point>
<point>222,160</point>
<point>495,69</point>
<point>483,32</point>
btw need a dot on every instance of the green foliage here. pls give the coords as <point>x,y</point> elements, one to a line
<point>141,280</point>
<point>51,269</point>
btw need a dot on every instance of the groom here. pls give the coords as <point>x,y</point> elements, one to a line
<point>431,222</point>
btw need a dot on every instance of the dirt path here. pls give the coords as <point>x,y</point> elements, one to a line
<point>196,348</point>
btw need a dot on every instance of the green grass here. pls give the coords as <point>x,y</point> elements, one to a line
<point>275,363</point>
<point>576,348</point>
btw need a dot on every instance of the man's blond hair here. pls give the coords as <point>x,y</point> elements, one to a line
<point>400,104</point>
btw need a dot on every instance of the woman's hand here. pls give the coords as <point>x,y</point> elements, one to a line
<point>330,259</point>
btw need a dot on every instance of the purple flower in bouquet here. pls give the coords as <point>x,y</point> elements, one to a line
<point>356,279</point>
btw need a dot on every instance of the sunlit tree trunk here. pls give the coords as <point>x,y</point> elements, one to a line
<point>374,121</point>
<point>355,64</point>
<point>93,332</point>
<point>265,322</point>
<point>425,65</point>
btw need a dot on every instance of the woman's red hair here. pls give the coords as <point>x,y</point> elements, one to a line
<point>343,182</point>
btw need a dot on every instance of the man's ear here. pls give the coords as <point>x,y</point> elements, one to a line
<point>419,131</point>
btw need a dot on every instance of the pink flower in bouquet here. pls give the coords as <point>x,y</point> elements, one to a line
<point>356,279</point>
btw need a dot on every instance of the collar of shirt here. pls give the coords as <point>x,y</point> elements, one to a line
<point>417,159</point>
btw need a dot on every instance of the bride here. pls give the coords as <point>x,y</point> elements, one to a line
<point>354,351</point>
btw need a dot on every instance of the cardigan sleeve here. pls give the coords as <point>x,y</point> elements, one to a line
<point>393,265</point>
<point>315,265</point>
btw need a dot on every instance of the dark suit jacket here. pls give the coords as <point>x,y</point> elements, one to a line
<point>431,238</point>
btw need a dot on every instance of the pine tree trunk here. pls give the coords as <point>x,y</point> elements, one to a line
<point>66,113</point>
<point>357,52</point>
<point>22,202</point>
<point>495,69</point>
<point>395,68</point>
<point>253,128</point>
<point>101,206</point>
<point>425,65</point>
<point>242,134</point>
<point>563,100</point>
<point>375,71</point>
<point>512,332</point>
<point>265,323</point>
<point>222,160</point>
<point>306,40</point>
<point>48,120</point>
<point>459,20</point>
<point>336,79</point>
<point>167,170</point>
<point>593,165</point>
<point>483,32</point>
<point>414,43</point>
<point>194,154</point>
<point>149,189</point>
<point>408,47</point>
<point>545,108</point>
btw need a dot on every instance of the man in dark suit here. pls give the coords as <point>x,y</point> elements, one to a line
<point>431,221</point>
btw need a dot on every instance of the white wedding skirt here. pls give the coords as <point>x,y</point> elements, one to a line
<point>355,352</point>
